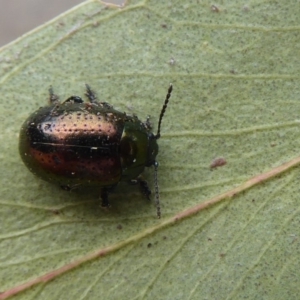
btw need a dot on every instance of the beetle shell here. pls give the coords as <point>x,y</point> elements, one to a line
<point>76,143</point>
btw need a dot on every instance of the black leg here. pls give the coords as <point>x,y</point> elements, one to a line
<point>93,98</point>
<point>90,94</point>
<point>143,186</point>
<point>52,97</point>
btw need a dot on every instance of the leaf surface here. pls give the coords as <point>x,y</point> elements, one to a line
<point>235,70</point>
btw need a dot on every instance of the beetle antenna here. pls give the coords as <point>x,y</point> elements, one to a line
<point>157,203</point>
<point>163,110</point>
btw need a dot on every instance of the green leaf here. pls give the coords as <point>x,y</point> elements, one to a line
<point>229,227</point>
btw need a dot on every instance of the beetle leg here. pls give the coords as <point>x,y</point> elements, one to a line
<point>52,97</point>
<point>143,186</point>
<point>93,98</point>
<point>90,94</point>
<point>148,123</point>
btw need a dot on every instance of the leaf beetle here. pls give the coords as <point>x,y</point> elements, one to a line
<point>74,143</point>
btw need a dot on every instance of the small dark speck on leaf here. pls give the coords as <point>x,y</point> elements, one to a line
<point>119,227</point>
<point>246,8</point>
<point>149,245</point>
<point>214,8</point>
<point>218,162</point>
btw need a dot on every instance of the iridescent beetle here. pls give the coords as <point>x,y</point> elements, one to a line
<point>89,143</point>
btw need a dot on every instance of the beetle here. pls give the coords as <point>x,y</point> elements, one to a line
<point>77,143</point>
